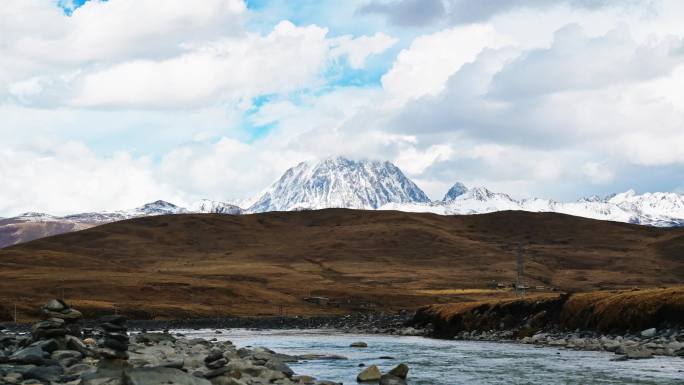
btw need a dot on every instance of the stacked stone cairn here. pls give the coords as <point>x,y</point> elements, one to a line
<point>115,343</point>
<point>54,345</point>
<point>59,320</point>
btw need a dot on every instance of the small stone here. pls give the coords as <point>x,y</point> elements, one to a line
<point>63,354</point>
<point>12,378</point>
<point>55,305</point>
<point>217,364</point>
<point>649,333</point>
<point>359,344</point>
<point>370,374</point>
<point>90,342</point>
<point>213,356</point>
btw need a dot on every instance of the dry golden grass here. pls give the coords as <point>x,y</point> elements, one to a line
<point>216,265</point>
<point>601,310</point>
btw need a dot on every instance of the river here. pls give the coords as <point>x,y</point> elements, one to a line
<point>441,362</point>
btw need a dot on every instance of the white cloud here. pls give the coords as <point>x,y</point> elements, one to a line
<point>359,49</point>
<point>424,67</point>
<point>62,178</point>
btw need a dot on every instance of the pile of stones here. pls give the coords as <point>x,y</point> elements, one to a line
<point>116,342</point>
<point>59,320</point>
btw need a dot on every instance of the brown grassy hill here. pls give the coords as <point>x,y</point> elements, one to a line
<point>206,265</point>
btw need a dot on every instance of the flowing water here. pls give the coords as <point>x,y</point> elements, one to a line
<point>440,362</point>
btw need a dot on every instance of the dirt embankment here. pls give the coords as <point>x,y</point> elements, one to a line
<point>602,311</point>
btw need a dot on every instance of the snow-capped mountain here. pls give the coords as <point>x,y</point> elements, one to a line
<point>339,182</point>
<point>32,225</point>
<point>153,208</point>
<point>654,209</point>
<point>216,207</point>
<point>343,183</point>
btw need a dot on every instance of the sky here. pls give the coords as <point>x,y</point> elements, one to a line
<point>107,105</point>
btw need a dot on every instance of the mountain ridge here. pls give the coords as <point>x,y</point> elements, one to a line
<point>338,182</point>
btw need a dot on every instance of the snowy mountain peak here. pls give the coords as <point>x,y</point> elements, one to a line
<point>622,197</point>
<point>339,182</point>
<point>160,207</point>
<point>591,198</point>
<point>454,192</point>
<point>216,207</point>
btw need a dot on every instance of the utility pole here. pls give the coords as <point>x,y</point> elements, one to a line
<point>520,286</point>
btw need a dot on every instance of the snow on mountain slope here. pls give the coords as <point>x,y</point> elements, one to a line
<point>654,209</point>
<point>339,182</point>
<point>216,207</point>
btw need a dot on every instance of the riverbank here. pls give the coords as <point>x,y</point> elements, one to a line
<point>367,323</point>
<point>58,350</point>
<point>634,324</point>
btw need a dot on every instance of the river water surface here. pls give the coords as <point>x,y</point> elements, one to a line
<point>440,362</point>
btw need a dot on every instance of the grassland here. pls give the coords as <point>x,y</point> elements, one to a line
<point>186,266</point>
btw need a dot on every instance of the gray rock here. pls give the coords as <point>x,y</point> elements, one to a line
<point>400,371</point>
<point>217,363</point>
<point>158,375</point>
<point>649,333</point>
<point>638,353</point>
<point>44,373</point>
<point>30,355</point>
<point>12,378</point>
<point>55,305</point>
<point>277,365</point>
<point>63,354</point>
<point>370,374</point>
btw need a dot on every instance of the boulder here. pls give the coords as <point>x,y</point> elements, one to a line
<point>649,333</point>
<point>159,375</point>
<point>30,355</point>
<point>359,344</point>
<point>370,374</point>
<point>637,354</point>
<point>279,366</point>
<point>400,371</point>
<point>44,373</point>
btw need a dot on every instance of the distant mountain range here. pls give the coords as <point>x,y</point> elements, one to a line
<point>370,185</point>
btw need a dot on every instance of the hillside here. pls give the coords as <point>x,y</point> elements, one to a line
<point>264,264</point>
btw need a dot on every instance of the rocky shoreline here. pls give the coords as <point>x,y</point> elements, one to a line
<point>647,344</point>
<point>59,350</point>
<point>365,323</point>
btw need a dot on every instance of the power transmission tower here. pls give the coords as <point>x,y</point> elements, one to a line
<point>520,285</point>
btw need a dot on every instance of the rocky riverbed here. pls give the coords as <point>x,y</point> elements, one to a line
<point>648,343</point>
<point>59,351</point>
